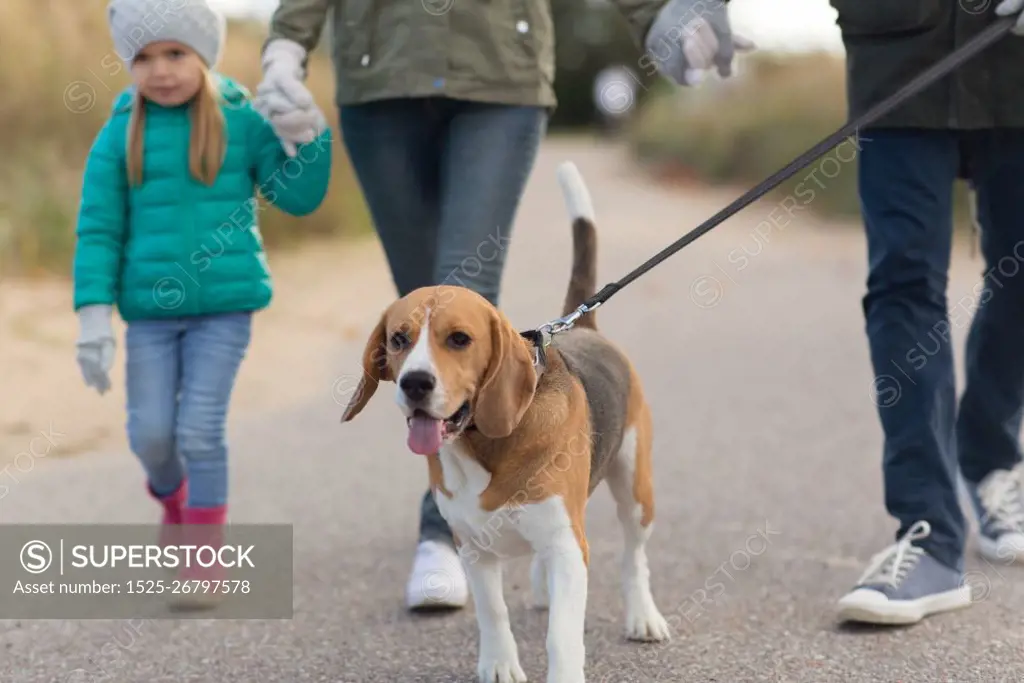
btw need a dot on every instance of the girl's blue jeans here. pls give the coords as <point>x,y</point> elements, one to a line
<point>180,375</point>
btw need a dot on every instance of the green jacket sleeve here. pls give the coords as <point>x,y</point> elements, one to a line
<point>299,20</point>
<point>102,220</point>
<point>296,185</point>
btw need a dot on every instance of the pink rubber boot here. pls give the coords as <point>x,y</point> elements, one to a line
<point>199,586</point>
<point>173,505</point>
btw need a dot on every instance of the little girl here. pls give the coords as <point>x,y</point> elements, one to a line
<point>167,231</point>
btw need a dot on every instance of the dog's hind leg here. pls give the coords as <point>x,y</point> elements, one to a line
<point>630,481</point>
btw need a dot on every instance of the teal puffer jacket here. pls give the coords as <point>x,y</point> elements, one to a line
<point>172,246</point>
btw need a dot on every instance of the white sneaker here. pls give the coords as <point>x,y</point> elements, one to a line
<point>438,580</point>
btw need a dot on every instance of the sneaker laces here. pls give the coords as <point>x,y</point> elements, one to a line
<point>893,564</point>
<point>1002,501</point>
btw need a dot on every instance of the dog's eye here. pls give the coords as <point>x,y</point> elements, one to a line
<point>399,340</point>
<point>458,340</point>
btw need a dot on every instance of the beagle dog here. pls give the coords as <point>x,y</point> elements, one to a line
<point>517,436</point>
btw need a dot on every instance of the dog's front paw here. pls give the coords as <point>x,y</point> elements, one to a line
<point>500,670</point>
<point>644,622</point>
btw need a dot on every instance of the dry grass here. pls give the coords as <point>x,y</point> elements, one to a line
<point>60,73</point>
<point>740,131</point>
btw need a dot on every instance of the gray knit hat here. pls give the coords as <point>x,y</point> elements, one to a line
<point>134,24</point>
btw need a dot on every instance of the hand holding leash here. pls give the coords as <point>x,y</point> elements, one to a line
<point>95,346</point>
<point>1010,7</point>
<point>690,37</point>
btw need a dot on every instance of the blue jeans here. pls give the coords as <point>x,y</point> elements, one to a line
<point>443,179</point>
<point>906,179</point>
<point>180,375</point>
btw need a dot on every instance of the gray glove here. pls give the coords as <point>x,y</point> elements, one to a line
<point>1008,7</point>
<point>689,37</point>
<point>95,345</point>
<point>282,96</point>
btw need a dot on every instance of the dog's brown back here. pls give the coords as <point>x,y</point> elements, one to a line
<point>606,377</point>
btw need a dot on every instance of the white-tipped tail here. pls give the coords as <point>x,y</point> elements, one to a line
<point>577,197</point>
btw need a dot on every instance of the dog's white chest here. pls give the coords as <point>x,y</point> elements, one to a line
<point>496,531</point>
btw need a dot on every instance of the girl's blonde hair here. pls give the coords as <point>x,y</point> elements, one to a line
<point>206,142</point>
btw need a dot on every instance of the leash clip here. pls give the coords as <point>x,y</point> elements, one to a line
<point>566,322</point>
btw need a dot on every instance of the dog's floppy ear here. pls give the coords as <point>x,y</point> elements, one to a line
<point>509,382</point>
<point>375,370</point>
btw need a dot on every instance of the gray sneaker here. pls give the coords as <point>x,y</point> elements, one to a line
<point>904,584</point>
<point>999,504</point>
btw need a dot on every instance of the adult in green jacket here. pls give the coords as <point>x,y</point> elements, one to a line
<point>970,125</point>
<point>443,104</point>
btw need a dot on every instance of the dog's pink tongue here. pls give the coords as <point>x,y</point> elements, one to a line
<point>424,435</point>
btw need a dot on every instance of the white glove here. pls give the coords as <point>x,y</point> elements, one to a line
<point>689,37</point>
<point>283,98</point>
<point>1008,7</point>
<point>95,345</point>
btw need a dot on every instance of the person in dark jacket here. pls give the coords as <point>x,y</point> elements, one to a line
<point>968,125</point>
<point>443,106</point>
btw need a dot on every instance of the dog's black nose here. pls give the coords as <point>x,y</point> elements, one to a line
<point>417,384</point>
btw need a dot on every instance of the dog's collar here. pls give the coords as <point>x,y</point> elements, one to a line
<point>539,341</point>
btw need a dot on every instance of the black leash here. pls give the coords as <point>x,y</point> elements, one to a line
<point>944,66</point>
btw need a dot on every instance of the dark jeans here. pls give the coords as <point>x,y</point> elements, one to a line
<point>906,179</point>
<point>442,179</point>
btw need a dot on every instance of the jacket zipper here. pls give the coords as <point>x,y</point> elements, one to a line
<point>188,191</point>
